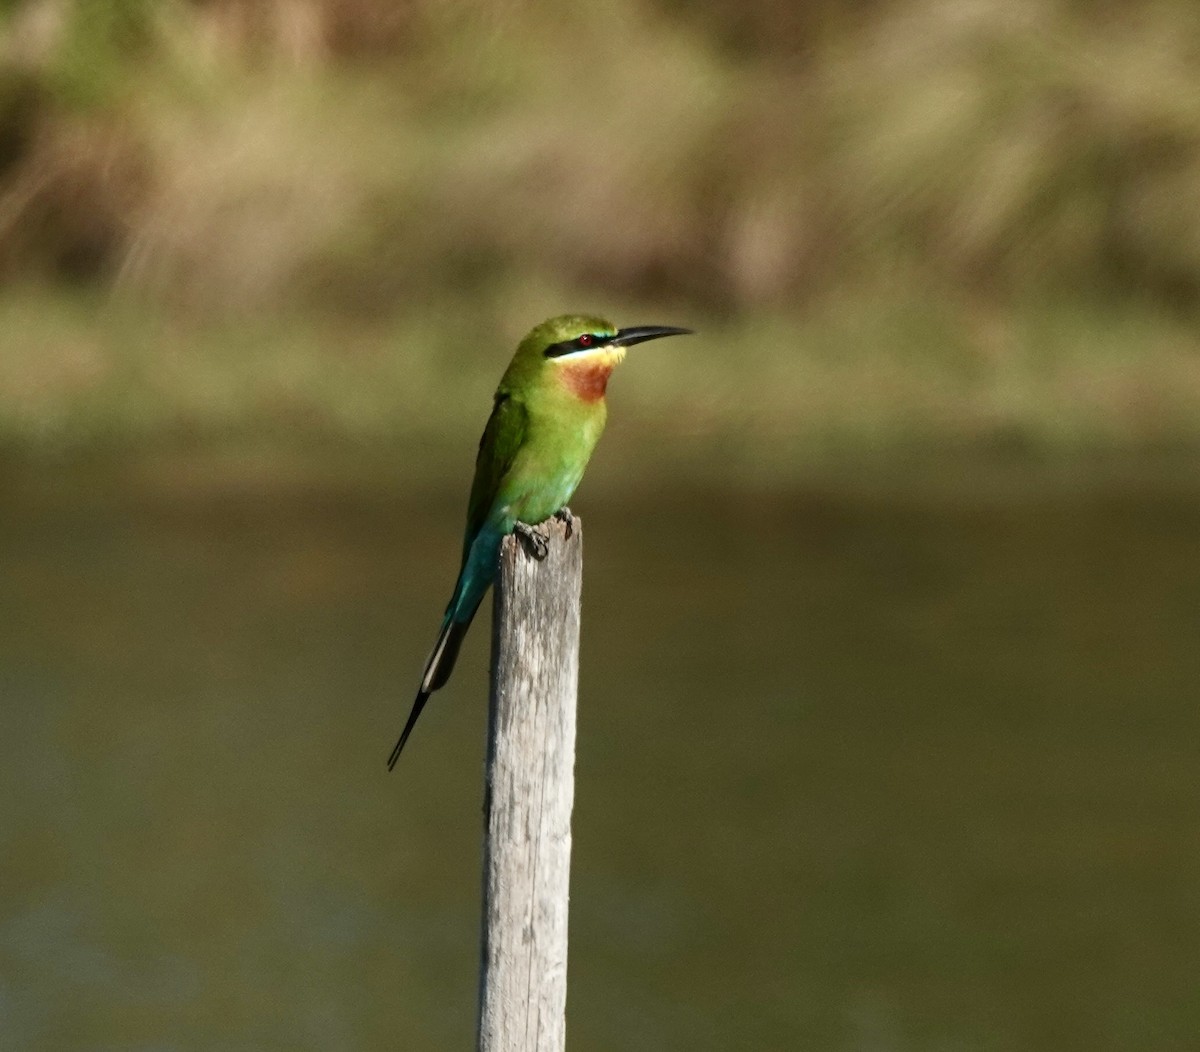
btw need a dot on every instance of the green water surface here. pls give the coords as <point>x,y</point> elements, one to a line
<point>858,769</point>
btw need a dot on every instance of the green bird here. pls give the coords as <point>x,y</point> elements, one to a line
<point>547,416</point>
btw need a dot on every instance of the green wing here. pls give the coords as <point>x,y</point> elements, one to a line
<point>502,438</point>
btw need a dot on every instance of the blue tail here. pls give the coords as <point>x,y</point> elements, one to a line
<point>474,579</point>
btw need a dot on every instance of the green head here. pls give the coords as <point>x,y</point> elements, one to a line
<point>579,350</point>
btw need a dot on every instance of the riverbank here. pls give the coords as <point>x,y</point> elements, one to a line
<point>877,376</point>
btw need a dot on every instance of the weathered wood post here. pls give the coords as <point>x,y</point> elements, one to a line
<point>529,794</point>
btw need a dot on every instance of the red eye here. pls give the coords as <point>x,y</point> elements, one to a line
<point>585,340</point>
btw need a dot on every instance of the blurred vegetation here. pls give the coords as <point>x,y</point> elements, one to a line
<point>898,222</point>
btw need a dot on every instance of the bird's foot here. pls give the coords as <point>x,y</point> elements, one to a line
<point>567,518</point>
<point>535,541</point>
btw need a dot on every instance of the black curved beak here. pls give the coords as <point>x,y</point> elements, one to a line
<point>641,333</point>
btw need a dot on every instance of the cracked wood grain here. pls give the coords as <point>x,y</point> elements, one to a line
<point>529,793</point>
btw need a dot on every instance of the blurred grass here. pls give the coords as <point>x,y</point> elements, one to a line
<point>878,377</point>
<point>899,225</point>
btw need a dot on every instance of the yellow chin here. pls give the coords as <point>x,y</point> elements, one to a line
<point>609,356</point>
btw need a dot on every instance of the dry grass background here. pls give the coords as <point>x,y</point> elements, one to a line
<point>898,223</point>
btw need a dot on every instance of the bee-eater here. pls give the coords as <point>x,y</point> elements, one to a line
<point>547,416</point>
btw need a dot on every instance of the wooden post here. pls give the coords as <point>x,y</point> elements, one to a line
<point>529,794</point>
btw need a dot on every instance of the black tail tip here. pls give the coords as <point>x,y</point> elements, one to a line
<point>396,750</point>
<point>418,705</point>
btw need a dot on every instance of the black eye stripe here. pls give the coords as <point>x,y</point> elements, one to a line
<point>594,340</point>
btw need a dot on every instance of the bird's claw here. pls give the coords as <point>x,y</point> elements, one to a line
<point>535,541</point>
<point>567,518</point>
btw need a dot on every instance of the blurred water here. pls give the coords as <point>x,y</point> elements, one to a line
<point>857,770</point>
